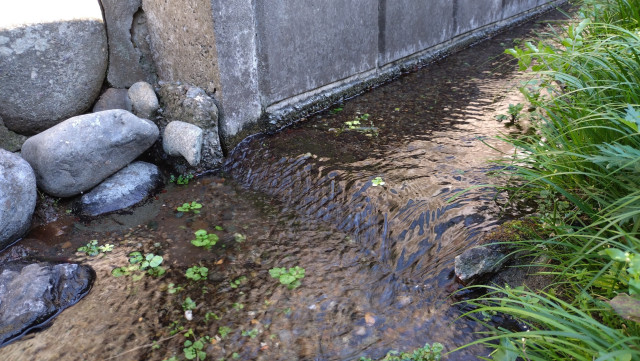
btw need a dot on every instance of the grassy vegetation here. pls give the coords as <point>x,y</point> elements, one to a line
<point>582,167</point>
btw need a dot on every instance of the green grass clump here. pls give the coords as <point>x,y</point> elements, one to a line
<point>582,167</point>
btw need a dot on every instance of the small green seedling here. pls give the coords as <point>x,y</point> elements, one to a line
<point>290,278</point>
<point>204,239</point>
<point>193,207</point>
<point>514,111</point>
<point>211,316</point>
<point>336,110</point>
<point>93,249</point>
<point>237,282</point>
<point>224,331</point>
<point>239,237</point>
<point>197,273</point>
<point>172,288</point>
<point>149,262</point>
<point>195,349</point>
<point>237,306</point>
<point>251,333</point>
<point>181,179</point>
<point>377,181</point>
<point>425,353</point>
<point>188,304</point>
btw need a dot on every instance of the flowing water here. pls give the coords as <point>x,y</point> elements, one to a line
<point>378,258</point>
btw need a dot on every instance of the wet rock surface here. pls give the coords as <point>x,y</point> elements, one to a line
<point>125,188</point>
<point>17,197</point>
<point>81,152</point>
<point>32,293</point>
<point>477,262</point>
<point>53,60</point>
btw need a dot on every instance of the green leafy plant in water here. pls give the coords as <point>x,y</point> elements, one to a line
<point>196,273</point>
<point>224,331</point>
<point>204,239</point>
<point>377,181</point>
<point>237,282</point>
<point>237,306</point>
<point>290,278</point>
<point>93,249</point>
<point>190,207</point>
<point>194,350</point>
<point>172,288</point>
<point>425,353</point>
<point>188,304</point>
<point>149,263</point>
<point>251,333</point>
<point>356,125</point>
<point>210,316</point>
<point>336,110</point>
<point>181,179</point>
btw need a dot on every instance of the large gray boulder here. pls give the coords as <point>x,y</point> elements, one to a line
<point>125,188</point>
<point>53,59</point>
<point>32,294</point>
<point>124,60</point>
<point>190,104</point>
<point>81,152</point>
<point>17,197</point>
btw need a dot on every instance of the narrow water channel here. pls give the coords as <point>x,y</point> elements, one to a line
<point>378,257</point>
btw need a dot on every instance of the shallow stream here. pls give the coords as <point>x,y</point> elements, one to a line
<point>378,258</point>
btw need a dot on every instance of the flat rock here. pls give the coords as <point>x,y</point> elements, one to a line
<point>18,195</point>
<point>79,153</point>
<point>190,104</point>
<point>31,294</point>
<point>124,60</point>
<point>183,139</point>
<point>478,261</point>
<point>113,98</point>
<point>125,188</point>
<point>143,99</point>
<point>53,60</point>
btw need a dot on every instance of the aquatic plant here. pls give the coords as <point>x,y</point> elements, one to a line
<point>290,278</point>
<point>93,249</point>
<point>190,207</point>
<point>377,181</point>
<point>425,353</point>
<point>182,179</point>
<point>196,273</point>
<point>149,263</point>
<point>204,239</point>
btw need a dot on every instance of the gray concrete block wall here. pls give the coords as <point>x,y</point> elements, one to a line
<point>278,59</point>
<point>305,44</point>
<point>410,26</point>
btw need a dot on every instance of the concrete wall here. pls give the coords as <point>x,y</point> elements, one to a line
<point>272,61</point>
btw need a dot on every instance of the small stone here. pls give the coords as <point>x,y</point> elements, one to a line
<point>143,100</point>
<point>478,261</point>
<point>183,139</point>
<point>125,188</point>
<point>113,98</point>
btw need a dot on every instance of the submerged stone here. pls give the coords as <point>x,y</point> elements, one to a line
<point>127,187</point>
<point>31,294</point>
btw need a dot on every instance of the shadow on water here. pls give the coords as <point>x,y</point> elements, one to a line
<point>378,259</point>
